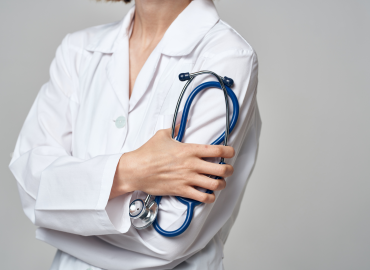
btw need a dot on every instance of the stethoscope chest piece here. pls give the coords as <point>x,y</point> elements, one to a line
<point>142,213</point>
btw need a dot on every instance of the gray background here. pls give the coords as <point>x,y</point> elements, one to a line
<point>307,203</point>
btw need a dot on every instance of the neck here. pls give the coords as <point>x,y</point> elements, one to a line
<point>153,17</point>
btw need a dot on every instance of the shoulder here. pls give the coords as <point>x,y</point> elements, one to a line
<point>74,49</point>
<point>222,39</point>
<point>224,51</point>
<point>83,39</point>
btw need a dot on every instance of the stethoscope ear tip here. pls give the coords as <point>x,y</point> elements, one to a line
<point>184,76</point>
<point>228,81</point>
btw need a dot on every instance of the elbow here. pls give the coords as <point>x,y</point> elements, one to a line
<point>27,201</point>
<point>28,209</point>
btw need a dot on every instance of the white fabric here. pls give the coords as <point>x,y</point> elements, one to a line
<point>64,261</point>
<point>68,149</point>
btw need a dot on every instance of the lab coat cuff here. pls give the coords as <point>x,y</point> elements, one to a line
<point>115,215</point>
<point>107,181</point>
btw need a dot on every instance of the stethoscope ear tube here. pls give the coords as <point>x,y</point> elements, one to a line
<point>190,99</point>
<point>191,204</point>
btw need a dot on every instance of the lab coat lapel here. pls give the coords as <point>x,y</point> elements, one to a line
<point>157,110</point>
<point>115,44</point>
<point>144,78</point>
<point>160,90</point>
<point>118,73</point>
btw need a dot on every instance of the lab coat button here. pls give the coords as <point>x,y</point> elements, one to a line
<point>120,122</point>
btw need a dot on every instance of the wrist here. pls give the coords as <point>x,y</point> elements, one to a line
<point>123,178</point>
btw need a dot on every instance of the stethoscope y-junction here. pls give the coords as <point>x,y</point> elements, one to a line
<point>144,213</point>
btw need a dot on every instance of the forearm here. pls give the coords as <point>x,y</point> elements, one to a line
<point>164,166</point>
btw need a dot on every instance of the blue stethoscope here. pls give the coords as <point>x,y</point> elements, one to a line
<point>144,213</point>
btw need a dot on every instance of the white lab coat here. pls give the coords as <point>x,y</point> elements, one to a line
<point>82,121</point>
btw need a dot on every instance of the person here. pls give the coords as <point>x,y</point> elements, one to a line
<point>99,135</point>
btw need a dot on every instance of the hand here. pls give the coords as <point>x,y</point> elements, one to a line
<point>164,166</point>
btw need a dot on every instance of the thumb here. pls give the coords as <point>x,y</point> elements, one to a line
<point>169,130</point>
<point>177,128</point>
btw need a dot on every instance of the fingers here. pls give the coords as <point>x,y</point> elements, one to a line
<point>221,170</point>
<point>202,150</point>
<point>202,181</point>
<point>197,195</point>
<point>206,182</point>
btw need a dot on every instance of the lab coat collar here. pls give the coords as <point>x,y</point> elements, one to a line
<point>189,28</point>
<point>181,37</point>
<point>116,32</point>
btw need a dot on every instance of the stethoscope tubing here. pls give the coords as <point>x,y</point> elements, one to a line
<point>189,101</point>
<point>191,204</point>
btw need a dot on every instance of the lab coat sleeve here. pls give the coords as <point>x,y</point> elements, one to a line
<point>206,122</point>
<point>57,190</point>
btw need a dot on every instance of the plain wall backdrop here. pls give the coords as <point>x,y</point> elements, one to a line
<point>307,204</point>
